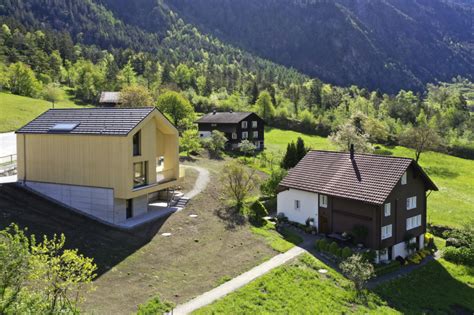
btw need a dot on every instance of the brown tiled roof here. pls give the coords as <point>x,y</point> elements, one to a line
<point>224,117</point>
<point>369,178</point>
<point>101,121</point>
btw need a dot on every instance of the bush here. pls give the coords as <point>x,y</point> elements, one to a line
<point>281,217</point>
<point>333,248</point>
<point>257,212</point>
<point>461,255</point>
<point>453,242</point>
<point>346,252</point>
<point>323,245</point>
<point>339,252</point>
<point>369,255</point>
<point>429,239</point>
<point>155,306</point>
<point>317,245</point>
<point>384,269</point>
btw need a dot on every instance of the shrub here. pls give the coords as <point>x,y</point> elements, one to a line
<point>346,252</point>
<point>281,217</point>
<point>323,245</point>
<point>155,306</point>
<point>339,252</point>
<point>317,245</point>
<point>257,212</point>
<point>369,255</point>
<point>333,248</point>
<point>384,269</point>
<point>429,239</point>
<point>358,270</point>
<point>461,255</point>
<point>453,242</point>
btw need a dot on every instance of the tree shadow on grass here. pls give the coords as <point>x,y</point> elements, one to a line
<point>107,245</point>
<point>429,289</point>
<point>231,216</point>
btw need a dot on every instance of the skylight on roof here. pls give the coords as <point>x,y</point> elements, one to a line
<point>63,127</point>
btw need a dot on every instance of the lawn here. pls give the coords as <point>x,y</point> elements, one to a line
<point>451,205</point>
<point>275,239</point>
<point>438,287</point>
<point>297,288</point>
<point>17,110</point>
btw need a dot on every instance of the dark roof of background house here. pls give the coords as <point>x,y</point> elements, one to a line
<point>369,177</point>
<point>99,121</point>
<point>224,117</point>
<point>109,97</point>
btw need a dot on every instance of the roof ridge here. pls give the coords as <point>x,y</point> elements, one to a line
<point>364,154</point>
<point>100,108</point>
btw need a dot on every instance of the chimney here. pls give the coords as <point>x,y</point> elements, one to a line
<point>213,111</point>
<point>352,152</point>
<point>231,111</point>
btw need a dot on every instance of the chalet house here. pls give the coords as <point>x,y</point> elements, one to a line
<point>338,191</point>
<point>109,99</point>
<point>237,126</point>
<point>108,163</point>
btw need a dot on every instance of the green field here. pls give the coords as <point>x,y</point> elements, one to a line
<point>298,288</point>
<point>453,204</point>
<point>16,111</point>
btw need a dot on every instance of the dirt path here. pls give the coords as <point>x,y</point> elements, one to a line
<point>201,181</point>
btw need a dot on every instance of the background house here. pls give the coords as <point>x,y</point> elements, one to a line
<point>106,162</point>
<point>109,99</point>
<point>237,126</point>
<point>386,195</point>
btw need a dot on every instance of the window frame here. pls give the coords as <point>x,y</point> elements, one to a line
<point>297,204</point>
<point>137,147</point>
<point>254,124</point>
<point>143,179</point>
<point>413,222</point>
<point>403,180</point>
<point>388,206</point>
<point>245,135</point>
<point>323,200</point>
<point>411,203</point>
<point>384,232</point>
<point>255,135</point>
<point>234,136</point>
<point>244,124</point>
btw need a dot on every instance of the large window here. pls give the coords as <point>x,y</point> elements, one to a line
<point>411,203</point>
<point>414,222</point>
<point>139,174</point>
<point>386,231</point>
<point>255,135</point>
<point>245,135</point>
<point>387,209</point>
<point>254,124</point>
<point>244,125</point>
<point>137,144</point>
<point>323,201</point>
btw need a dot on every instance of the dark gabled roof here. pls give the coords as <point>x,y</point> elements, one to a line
<point>224,117</point>
<point>368,178</point>
<point>109,97</point>
<point>97,121</point>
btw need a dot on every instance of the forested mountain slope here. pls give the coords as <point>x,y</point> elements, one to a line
<point>382,44</point>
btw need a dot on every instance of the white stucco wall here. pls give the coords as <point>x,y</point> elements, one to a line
<point>97,202</point>
<point>308,205</point>
<point>400,248</point>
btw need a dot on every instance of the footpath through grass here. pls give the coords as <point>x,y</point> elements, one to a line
<point>17,110</point>
<point>297,288</point>
<point>451,205</point>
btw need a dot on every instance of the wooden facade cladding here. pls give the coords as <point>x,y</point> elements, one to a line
<point>101,160</point>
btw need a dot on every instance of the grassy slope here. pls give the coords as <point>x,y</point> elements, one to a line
<point>297,288</point>
<point>451,205</point>
<point>16,111</point>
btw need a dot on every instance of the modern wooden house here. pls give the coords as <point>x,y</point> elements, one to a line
<point>109,99</point>
<point>236,126</point>
<point>106,162</point>
<point>339,191</point>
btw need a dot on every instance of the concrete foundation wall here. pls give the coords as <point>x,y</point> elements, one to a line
<point>140,205</point>
<point>97,202</point>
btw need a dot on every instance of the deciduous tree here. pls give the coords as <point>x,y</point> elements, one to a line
<point>135,96</point>
<point>175,105</point>
<point>238,181</point>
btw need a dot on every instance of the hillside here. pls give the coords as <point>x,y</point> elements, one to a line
<point>386,45</point>
<point>19,110</point>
